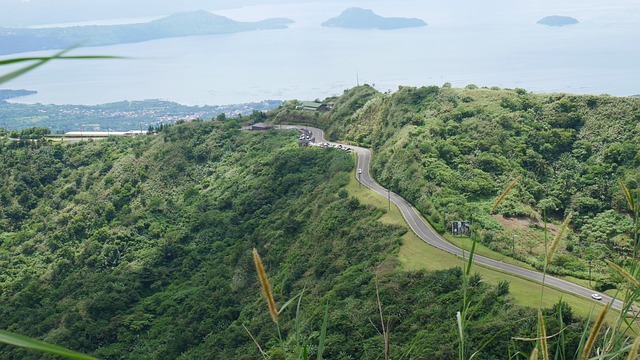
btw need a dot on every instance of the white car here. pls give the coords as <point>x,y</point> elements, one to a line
<point>596,296</point>
<point>359,171</point>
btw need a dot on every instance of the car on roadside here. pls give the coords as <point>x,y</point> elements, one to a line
<point>359,171</point>
<point>596,296</point>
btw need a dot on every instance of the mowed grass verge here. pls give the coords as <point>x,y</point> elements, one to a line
<point>415,254</point>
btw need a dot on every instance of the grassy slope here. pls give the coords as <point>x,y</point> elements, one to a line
<point>563,146</point>
<point>416,255</point>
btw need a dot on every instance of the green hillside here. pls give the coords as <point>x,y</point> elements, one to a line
<point>450,152</point>
<point>140,248</point>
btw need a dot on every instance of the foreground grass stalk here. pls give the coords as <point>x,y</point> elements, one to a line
<point>40,346</point>
<point>543,336</point>
<point>266,291</point>
<point>624,273</point>
<point>502,196</point>
<point>460,335</point>
<point>385,329</point>
<point>556,240</point>
<point>39,61</point>
<point>594,332</point>
<point>266,287</point>
<point>463,316</point>
<point>264,355</point>
<point>634,349</point>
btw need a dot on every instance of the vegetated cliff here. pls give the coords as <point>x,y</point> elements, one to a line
<point>452,151</point>
<point>141,248</point>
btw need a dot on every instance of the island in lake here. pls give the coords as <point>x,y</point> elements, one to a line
<point>6,94</point>
<point>15,40</point>
<point>358,18</point>
<point>556,20</point>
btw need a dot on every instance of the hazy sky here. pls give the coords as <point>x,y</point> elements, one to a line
<point>36,12</point>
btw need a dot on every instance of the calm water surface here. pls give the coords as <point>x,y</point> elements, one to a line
<point>496,43</point>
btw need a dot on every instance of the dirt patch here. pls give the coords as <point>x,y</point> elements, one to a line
<point>524,222</point>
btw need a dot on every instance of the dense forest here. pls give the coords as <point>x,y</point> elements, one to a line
<point>451,151</point>
<point>141,247</point>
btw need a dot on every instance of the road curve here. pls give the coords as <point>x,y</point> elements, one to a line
<point>426,233</point>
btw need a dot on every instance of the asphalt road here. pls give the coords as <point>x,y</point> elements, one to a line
<point>424,231</point>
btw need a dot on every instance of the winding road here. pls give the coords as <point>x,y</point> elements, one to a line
<point>424,231</point>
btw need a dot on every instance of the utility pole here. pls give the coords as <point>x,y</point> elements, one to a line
<point>389,197</point>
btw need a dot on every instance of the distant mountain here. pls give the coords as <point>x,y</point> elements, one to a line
<point>556,20</point>
<point>357,18</point>
<point>15,40</point>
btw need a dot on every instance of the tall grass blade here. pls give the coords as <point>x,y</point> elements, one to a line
<point>583,337</point>
<point>323,333</point>
<point>534,354</point>
<point>492,336</point>
<point>266,287</point>
<point>289,302</point>
<point>613,341</point>
<point>460,333</point>
<point>504,193</point>
<point>473,251</point>
<point>556,240</point>
<point>41,58</point>
<point>407,354</point>
<point>39,61</point>
<point>560,349</point>
<point>298,318</point>
<point>596,328</point>
<point>41,346</point>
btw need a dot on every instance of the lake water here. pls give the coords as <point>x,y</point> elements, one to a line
<point>488,43</point>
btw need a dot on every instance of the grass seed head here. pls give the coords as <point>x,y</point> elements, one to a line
<point>556,240</point>
<point>266,287</point>
<point>592,336</point>
<point>543,336</point>
<point>504,193</point>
